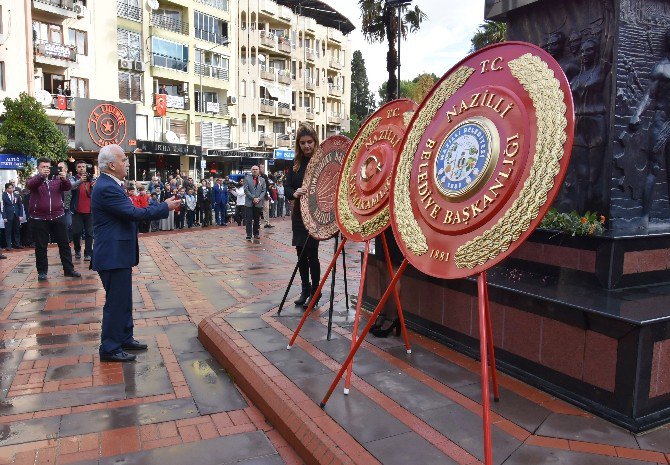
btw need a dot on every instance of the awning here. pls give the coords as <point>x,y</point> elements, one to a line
<point>282,94</point>
<point>165,148</point>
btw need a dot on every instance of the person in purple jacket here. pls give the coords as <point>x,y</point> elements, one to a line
<point>48,217</point>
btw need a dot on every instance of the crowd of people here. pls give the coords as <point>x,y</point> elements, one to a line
<point>209,202</point>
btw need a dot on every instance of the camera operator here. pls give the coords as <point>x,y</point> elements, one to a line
<point>48,216</point>
<point>80,206</point>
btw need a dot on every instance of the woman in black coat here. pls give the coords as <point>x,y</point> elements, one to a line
<point>306,145</point>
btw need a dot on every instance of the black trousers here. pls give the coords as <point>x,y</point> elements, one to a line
<point>58,230</point>
<point>206,214</point>
<point>308,265</point>
<point>239,214</point>
<point>117,314</point>
<point>13,232</point>
<point>82,222</point>
<point>253,215</point>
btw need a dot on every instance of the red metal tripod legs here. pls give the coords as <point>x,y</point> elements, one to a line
<point>396,296</point>
<point>317,293</point>
<point>486,351</point>
<point>360,340</point>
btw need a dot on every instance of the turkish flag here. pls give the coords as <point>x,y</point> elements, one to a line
<point>62,102</point>
<point>161,104</point>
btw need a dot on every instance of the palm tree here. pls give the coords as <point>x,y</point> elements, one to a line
<point>489,32</point>
<point>380,23</point>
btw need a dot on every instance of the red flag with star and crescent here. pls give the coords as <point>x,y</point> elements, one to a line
<point>161,104</point>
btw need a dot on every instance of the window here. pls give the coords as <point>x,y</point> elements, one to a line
<point>45,32</point>
<point>79,87</point>
<point>279,127</point>
<point>141,130</point>
<point>169,54</point>
<point>243,88</point>
<point>253,89</point>
<point>207,97</point>
<point>215,135</point>
<point>2,75</point>
<point>244,123</point>
<point>129,44</point>
<point>220,4</point>
<point>80,40</point>
<point>158,128</point>
<point>211,64</point>
<point>130,86</point>
<point>210,28</point>
<point>253,123</point>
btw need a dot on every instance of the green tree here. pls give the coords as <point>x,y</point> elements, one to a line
<point>405,90</point>
<point>28,130</point>
<point>380,24</point>
<point>489,32</point>
<point>362,101</point>
<point>416,89</point>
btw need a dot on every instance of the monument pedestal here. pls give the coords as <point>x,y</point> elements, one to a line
<point>607,351</point>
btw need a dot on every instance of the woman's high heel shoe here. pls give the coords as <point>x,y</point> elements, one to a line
<point>384,332</point>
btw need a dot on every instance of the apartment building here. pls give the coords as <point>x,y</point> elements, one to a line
<point>294,66</point>
<point>236,76</point>
<point>181,49</point>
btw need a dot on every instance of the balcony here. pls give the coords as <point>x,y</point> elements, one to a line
<point>56,54</point>
<point>334,63</point>
<point>334,90</point>
<point>284,45</point>
<point>59,8</point>
<point>267,73</point>
<point>283,140</point>
<point>210,36</point>
<point>334,118</point>
<point>309,112</point>
<point>220,4</point>
<point>268,39</point>
<point>123,10</point>
<point>284,76</point>
<point>266,139</point>
<point>169,24</point>
<point>211,71</point>
<point>163,61</point>
<point>283,109</point>
<point>309,83</point>
<point>268,106</point>
<point>310,54</point>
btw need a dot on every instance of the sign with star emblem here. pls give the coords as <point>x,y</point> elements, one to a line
<point>482,160</point>
<point>365,180</point>
<point>99,123</point>
<point>318,206</point>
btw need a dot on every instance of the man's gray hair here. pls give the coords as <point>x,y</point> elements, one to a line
<point>107,155</point>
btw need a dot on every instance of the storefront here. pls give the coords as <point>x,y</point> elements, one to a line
<point>225,162</point>
<point>165,159</point>
<point>10,164</point>
<point>281,161</point>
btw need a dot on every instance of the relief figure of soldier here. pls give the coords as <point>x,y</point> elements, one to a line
<point>656,96</point>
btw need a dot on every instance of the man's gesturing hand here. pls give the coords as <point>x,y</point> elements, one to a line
<point>173,202</point>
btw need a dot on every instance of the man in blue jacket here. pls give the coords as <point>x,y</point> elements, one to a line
<point>116,251</point>
<point>220,202</point>
<point>13,215</point>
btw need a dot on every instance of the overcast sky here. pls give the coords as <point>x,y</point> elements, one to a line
<point>440,43</point>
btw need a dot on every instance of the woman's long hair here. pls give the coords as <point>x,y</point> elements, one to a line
<point>304,130</point>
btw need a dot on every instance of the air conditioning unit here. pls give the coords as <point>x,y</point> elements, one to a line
<point>138,65</point>
<point>233,121</point>
<point>79,9</point>
<point>232,100</point>
<point>125,64</point>
<point>233,145</point>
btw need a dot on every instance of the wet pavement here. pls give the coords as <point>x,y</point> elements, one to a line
<point>177,404</point>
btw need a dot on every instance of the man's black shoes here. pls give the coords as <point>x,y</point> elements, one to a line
<point>120,356</point>
<point>77,255</point>
<point>41,276</point>
<point>73,274</point>
<point>133,344</point>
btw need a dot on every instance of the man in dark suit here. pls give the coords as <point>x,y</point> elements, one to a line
<point>116,251</point>
<point>13,215</point>
<point>254,192</point>
<point>220,198</point>
<point>205,203</point>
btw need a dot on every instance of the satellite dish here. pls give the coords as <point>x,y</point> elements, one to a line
<point>152,4</point>
<point>171,137</point>
<point>261,58</point>
<point>44,97</point>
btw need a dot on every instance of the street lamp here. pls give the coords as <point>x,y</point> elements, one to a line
<point>399,4</point>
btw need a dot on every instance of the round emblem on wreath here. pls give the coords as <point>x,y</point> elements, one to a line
<point>465,158</point>
<point>107,125</point>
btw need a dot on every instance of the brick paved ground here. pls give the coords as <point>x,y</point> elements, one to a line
<point>176,404</point>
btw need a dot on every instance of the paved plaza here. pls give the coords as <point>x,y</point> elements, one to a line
<point>177,404</point>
